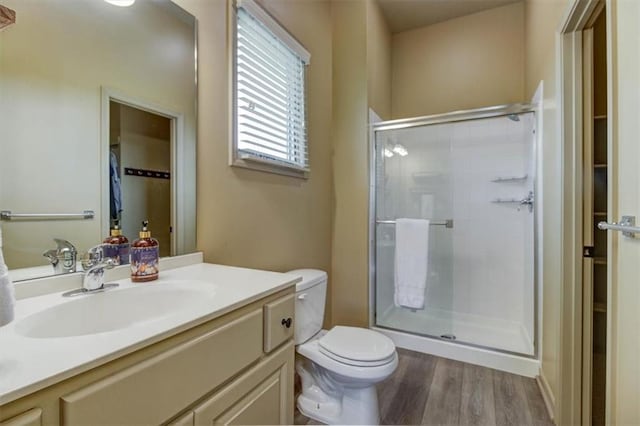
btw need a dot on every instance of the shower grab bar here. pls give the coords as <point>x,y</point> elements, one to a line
<point>446,223</point>
<point>8,215</point>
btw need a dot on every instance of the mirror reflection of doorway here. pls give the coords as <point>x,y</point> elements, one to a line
<point>140,146</point>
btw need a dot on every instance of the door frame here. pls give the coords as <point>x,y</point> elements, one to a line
<point>177,138</point>
<point>571,388</point>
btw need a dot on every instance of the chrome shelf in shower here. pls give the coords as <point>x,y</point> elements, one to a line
<point>510,179</point>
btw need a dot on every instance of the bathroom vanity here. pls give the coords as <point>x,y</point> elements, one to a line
<point>225,354</point>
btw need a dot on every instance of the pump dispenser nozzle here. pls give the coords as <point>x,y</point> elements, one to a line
<point>145,233</point>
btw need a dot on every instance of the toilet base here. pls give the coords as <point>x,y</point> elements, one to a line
<point>357,406</point>
<point>336,404</point>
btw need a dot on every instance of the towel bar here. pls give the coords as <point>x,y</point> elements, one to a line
<point>446,223</point>
<point>8,215</point>
<point>627,226</point>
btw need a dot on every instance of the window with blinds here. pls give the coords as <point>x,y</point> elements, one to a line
<point>270,121</point>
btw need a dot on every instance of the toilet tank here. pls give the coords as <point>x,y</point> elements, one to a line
<point>311,294</point>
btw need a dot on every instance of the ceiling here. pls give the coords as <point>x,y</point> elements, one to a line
<point>403,15</point>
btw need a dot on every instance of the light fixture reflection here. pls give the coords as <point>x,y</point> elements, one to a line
<point>387,153</point>
<point>121,3</point>
<point>400,150</point>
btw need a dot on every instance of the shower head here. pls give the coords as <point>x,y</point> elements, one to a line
<point>513,117</point>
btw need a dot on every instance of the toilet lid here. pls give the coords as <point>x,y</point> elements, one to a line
<point>357,344</point>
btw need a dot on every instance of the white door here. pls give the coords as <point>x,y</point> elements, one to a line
<point>623,398</point>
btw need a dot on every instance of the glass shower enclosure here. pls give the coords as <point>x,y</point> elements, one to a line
<point>472,176</point>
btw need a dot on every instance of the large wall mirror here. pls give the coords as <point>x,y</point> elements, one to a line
<point>89,88</point>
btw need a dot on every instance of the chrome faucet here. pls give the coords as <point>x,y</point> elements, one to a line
<point>63,257</point>
<point>95,265</point>
<point>94,275</point>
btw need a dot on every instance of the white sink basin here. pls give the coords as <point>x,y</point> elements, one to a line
<point>115,309</point>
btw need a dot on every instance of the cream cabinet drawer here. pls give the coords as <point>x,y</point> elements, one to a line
<point>156,389</point>
<point>278,322</point>
<point>32,417</point>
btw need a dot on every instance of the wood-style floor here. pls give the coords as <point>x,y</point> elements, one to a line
<point>429,390</point>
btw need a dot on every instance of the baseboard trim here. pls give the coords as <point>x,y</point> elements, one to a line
<point>547,395</point>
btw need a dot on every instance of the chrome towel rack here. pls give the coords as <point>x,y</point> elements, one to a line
<point>446,223</point>
<point>9,215</point>
<point>627,226</point>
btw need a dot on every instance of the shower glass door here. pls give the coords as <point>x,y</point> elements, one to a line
<point>474,181</point>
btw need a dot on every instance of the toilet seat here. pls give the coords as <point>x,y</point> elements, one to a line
<point>354,362</point>
<point>371,373</point>
<point>357,346</point>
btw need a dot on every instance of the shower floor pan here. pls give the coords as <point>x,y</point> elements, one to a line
<point>463,328</point>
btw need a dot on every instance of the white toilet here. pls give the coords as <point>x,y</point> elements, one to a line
<point>339,368</point>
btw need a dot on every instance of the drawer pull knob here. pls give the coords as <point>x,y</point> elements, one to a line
<point>286,322</point>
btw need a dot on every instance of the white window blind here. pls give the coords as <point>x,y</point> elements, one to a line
<point>270,91</point>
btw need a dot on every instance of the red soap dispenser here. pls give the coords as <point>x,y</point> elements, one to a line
<point>145,256</point>
<point>116,246</point>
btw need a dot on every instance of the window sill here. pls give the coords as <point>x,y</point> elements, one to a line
<point>263,165</point>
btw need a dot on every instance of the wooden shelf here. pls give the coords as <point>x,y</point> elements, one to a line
<point>599,307</point>
<point>600,166</point>
<point>599,260</point>
<point>600,117</point>
<point>600,214</point>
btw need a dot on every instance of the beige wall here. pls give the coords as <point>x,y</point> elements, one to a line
<point>378,61</point>
<point>542,18</point>
<point>350,164</point>
<point>251,218</point>
<point>468,62</point>
<point>361,80</point>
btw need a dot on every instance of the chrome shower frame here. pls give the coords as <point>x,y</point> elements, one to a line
<point>451,117</point>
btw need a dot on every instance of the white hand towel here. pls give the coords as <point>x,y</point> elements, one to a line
<point>7,296</point>
<point>411,262</point>
<point>7,299</point>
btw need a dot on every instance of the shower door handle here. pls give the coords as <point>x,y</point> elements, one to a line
<point>627,226</point>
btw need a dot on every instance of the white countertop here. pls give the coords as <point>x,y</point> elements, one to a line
<point>30,364</point>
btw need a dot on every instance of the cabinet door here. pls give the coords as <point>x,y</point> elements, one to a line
<point>263,395</point>
<point>184,420</point>
<point>32,417</point>
<point>260,407</point>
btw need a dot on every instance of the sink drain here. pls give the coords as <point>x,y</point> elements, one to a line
<point>448,336</point>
